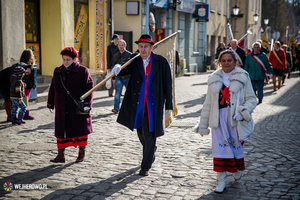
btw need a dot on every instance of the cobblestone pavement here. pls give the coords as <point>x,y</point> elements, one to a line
<point>183,166</point>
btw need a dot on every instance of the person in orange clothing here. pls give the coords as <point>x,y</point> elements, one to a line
<point>278,60</point>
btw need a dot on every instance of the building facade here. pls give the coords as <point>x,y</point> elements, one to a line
<point>221,17</point>
<point>170,16</point>
<point>47,26</point>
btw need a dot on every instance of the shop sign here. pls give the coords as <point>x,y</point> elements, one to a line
<point>201,13</point>
<point>187,6</point>
<point>100,36</point>
<point>160,34</point>
<point>160,3</point>
<point>80,26</point>
<point>163,20</point>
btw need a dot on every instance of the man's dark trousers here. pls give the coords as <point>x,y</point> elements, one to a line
<point>148,140</point>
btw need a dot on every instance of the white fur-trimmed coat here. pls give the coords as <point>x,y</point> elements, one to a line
<point>239,82</point>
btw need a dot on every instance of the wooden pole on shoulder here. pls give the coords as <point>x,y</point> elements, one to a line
<point>123,66</point>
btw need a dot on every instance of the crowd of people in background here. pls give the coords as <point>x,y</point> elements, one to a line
<point>263,65</point>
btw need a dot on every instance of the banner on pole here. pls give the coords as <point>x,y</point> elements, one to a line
<point>265,41</point>
<point>168,50</point>
<point>80,27</point>
<point>100,36</point>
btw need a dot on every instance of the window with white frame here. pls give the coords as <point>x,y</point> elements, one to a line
<point>213,5</point>
<point>225,9</point>
<point>219,7</point>
<point>256,8</point>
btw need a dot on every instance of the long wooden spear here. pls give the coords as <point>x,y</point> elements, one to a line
<point>123,66</point>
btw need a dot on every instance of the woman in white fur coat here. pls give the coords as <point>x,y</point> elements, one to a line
<point>218,113</point>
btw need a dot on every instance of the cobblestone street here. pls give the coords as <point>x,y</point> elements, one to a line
<point>183,168</point>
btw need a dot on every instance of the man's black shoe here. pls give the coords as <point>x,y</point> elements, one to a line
<point>259,102</point>
<point>144,172</point>
<point>115,111</point>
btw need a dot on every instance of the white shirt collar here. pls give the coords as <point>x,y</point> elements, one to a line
<point>146,61</point>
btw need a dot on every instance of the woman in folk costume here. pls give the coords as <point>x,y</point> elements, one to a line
<point>218,113</point>
<point>278,60</point>
<point>70,129</point>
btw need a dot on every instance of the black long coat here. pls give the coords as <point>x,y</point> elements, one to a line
<point>77,80</point>
<point>162,92</point>
<point>242,54</point>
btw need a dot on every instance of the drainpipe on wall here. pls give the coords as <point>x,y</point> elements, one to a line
<point>112,30</point>
<point>246,18</point>
<point>205,43</point>
<point>147,11</point>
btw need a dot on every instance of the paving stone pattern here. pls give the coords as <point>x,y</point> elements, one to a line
<point>183,167</point>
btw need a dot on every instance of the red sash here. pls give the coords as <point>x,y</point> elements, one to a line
<point>261,64</point>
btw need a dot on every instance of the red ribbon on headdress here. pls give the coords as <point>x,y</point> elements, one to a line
<point>225,96</point>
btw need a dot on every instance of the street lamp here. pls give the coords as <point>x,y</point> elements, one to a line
<point>236,10</point>
<point>255,17</point>
<point>266,21</point>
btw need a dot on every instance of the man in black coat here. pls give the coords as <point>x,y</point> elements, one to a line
<point>149,91</point>
<point>112,49</point>
<point>239,52</point>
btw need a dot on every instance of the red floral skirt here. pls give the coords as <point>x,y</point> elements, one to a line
<point>68,142</point>
<point>228,165</point>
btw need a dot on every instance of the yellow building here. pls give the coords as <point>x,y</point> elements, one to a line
<point>47,26</point>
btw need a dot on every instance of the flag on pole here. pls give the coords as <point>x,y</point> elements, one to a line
<point>229,34</point>
<point>168,50</point>
<point>243,44</point>
<point>261,30</point>
<point>292,45</point>
<point>265,41</point>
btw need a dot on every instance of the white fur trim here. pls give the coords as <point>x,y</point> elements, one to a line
<point>203,131</point>
<point>238,80</point>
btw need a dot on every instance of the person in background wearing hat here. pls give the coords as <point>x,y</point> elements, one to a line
<point>17,92</point>
<point>148,94</point>
<point>112,49</point>
<point>70,129</point>
<point>289,63</point>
